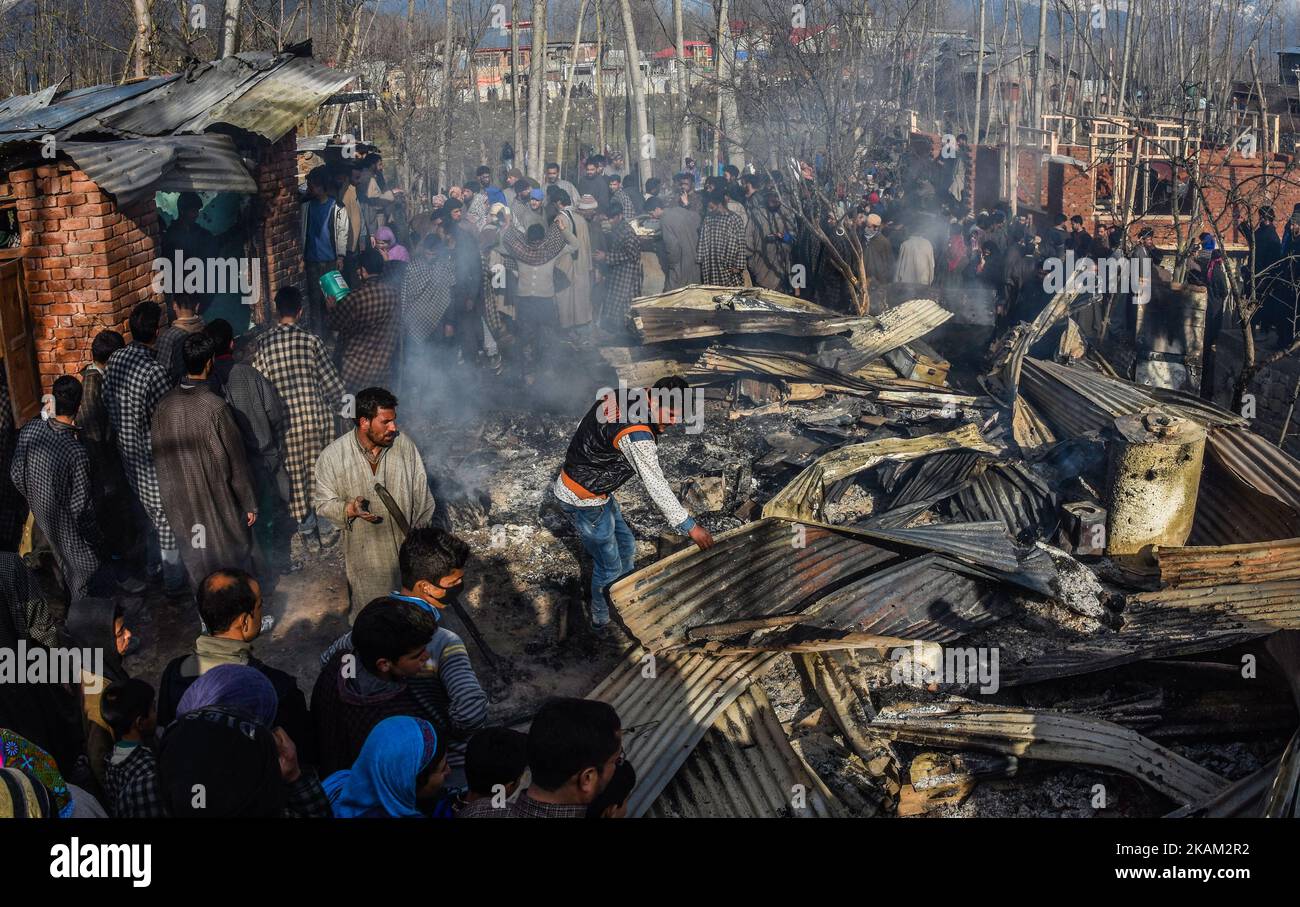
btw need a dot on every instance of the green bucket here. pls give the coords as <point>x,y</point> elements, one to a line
<point>333,285</point>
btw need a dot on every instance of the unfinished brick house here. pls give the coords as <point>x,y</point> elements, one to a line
<point>80,177</point>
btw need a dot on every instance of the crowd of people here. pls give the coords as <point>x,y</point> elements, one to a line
<point>203,464</point>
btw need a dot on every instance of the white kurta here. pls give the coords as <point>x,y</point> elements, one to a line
<point>370,549</point>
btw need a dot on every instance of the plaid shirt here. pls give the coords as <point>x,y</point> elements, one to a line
<point>623,277</point>
<point>621,196</point>
<point>525,807</point>
<point>131,786</point>
<point>721,252</point>
<point>52,471</point>
<point>295,362</point>
<point>134,382</point>
<point>367,321</point>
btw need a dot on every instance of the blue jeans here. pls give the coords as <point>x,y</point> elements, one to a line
<point>611,545</point>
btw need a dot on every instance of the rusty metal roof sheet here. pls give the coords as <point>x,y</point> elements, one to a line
<point>1252,562</point>
<point>893,328</point>
<point>744,767</point>
<point>1230,511</point>
<point>276,101</point>
<point>666,703</point>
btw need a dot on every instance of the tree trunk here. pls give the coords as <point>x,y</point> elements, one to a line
<point>644,138</point>
<point>143,37</point>
<point>514,78</point>
<point>730,114</point>
<point>683,89</point>
<point>230,29</point>
<point>979,77</point>
<point>598,80</point>
<point>444,134</point>
<point>568,88</point>
<point>1040,65</point>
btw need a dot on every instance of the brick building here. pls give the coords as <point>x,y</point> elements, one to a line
<point>79,175</point>
<point>1103,170</point>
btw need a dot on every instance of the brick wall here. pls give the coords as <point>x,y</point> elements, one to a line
<point>88,263</point>
<point>277,183</point>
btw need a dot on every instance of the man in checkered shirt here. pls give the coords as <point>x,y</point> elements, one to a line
<point>367,321</point>
<point>296,363</point>
<point>134,382</point>
<point>721,250</point>
<point>52,471</point>
<point>622,260</point>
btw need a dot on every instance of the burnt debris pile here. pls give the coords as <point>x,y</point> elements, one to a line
<point>1043,589</point>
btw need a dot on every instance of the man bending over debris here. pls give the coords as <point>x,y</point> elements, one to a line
<point>611,445</point>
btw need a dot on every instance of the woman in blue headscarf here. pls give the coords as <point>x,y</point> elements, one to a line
<point>401,765</point>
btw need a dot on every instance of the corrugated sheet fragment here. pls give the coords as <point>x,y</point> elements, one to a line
<point>277,101</point>
<point>1012,495</point>
<point>745,768</point>
<point>760,569</point>
<point>1259,463</point>
<point>894,327</point>
<point>132,169</point>
<point>805,496</point>
<point>1161,624</point>
<point>66,114</point>
<point>1252,562</point>
<point>708,311</point>
<point>666,703</point>
<point>1052,736</point>
<point>1230,511</point>
<point>1075,400</point>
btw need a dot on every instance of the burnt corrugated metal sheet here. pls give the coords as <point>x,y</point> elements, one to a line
<point>893,328</point>
<point>1075,400</point>
<point>1163,624</point>
<point>745,768</point>
<point>135,168</point>
<point>761,569</point>
<point>1229,511</point>
<point>666,703</point>
<point>1012,495</point>
<point>1259,463</point>
<point>199,89</point>
<point>933,598</point>
<point>1052,736</point>
<point>805,496</point>
<point>706,311</point>
<point>1253,562</point>
<point>928,479</point>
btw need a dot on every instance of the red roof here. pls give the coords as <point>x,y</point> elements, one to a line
<point>669,52</point>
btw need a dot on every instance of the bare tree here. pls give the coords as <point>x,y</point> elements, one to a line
<point>644,138</point>
<point>568,84</point>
